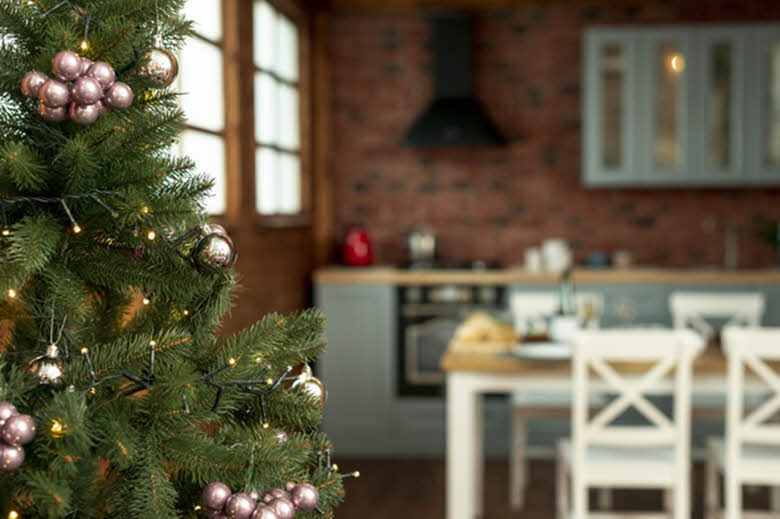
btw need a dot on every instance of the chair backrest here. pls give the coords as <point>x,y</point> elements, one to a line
<point>633,363</point>
<point>530,306</point>
<point>757,349</point>
<point>693,308</point>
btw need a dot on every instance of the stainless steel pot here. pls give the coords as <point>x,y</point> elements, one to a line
<point>422,246</point>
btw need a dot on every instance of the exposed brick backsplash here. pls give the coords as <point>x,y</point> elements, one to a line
<point>492,204</point>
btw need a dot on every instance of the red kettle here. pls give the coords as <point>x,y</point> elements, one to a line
<point>356,248</point>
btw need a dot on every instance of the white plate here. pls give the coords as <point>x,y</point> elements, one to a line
<point>550,351</point>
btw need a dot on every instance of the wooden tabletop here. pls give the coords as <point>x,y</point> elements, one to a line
<point>711,361</point>
<point>512,275</point>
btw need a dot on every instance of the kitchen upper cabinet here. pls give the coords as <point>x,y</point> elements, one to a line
<point>682,106</point>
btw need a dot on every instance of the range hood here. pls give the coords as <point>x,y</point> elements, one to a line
<point>454,118</point>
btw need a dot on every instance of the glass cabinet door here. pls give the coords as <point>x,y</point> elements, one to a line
<point>664,100</point>
<point>609,80</point>
<point>716,115</point>
<point>766,51</point>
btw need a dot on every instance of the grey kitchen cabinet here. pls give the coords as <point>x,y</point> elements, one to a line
<point>678,106</point>
<point>358,364</point>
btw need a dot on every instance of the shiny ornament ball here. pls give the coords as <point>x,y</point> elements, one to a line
<point>283,508</point>
<point>264,512</point>
<point>119,96</point>
<point>103,73</point>
<point>314,387</point>
<point>290,485</point>
<point>86,91</point>
<point>215,514</point>
<point>32,83</point>
<point>48,370</point>
<point>18,430</point>
<point>216,251</point>
<point>305,496</point>
<point>7,410</point>
<point>54,94</point>
<point>11,457</point>
<point>53,115</point>
<point>160,64</point>
<point>240,506</point>
<point>275,493</point>
<point>84,114</point>
<point>216,495</point>
<point>103,107</point>
<point>85,64</point>
<point>66,65</point>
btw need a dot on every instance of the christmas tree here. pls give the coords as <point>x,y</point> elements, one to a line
<point>118,395</point>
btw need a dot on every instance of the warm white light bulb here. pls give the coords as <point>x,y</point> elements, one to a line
<point>76,229</point>
<point>151,235</point>
<point>11,293</point>
<point>146,301</point>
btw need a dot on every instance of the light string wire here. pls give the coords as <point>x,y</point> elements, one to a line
<point>80,11</point>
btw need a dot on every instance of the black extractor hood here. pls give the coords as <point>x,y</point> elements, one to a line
<point>455,118</point>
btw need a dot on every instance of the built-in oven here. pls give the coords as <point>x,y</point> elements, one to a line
<point>427,318</point>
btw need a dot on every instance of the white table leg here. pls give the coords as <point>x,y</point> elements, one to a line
<point>478,451</point>
<point>517,460</point>
<point>463,442</point>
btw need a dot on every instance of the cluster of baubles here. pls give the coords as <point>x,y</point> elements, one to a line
<point>81,90</point>
<point>277,503</point>
<point>214,248</point>
<point>16,431</point>
<point>311,385</point>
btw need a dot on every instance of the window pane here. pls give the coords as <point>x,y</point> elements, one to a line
<point>264,35</point>
<point>206,16</point>
<point>289,184</point>
<point>287,117</point>
<point>200,82</point>
<point>670,65</point>
<point>720,104</point>
<point>208,152</point>
<point>612,77</point>
<point>265,108</point>
<point>773,133</point>
<point>265,185</point>
<point>286,49</point>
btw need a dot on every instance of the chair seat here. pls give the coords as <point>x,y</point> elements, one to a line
<point>625,466</point>
<point>758,464</point>
<point>552,399</point>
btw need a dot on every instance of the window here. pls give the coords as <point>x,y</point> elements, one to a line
<point>277,101</point>
<point>200,81</point>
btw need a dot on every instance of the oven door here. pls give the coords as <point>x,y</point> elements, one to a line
<point>424,342</point>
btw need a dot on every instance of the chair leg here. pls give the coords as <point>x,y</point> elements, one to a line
<point>711,490</point>
<point>669,501</point>
<point>518,468</point>
<point>604,498</point>
<point>733,494</point>
<point>774,499</point>
<point>562,487</point>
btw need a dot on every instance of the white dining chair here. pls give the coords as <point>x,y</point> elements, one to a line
<point>528,309</point>
<point>631,363</point>
<point>750,454</point>
<point>694,309</point>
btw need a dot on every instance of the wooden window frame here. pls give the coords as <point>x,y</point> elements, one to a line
<point>240,139</point>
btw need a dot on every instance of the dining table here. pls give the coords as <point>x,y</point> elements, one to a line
<point>472,370</point>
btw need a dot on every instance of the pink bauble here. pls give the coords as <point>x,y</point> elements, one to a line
<point>283,508</point>
<point>53,115</point>
<point>103,72</point>
<point>85,64</point>
<point>119,96</point>
<point>54,94</point>
<point>66,65</point>
<point>86,91</point>
<point>32,83</point>
<point>264,512</point>
<point>84,114</point>
<point>11,457</point>
<point>240,506</point>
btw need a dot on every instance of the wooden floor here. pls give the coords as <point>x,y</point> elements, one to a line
<point>392,489</point>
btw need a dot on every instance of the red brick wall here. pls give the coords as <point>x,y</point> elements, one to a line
<point>493,203</point>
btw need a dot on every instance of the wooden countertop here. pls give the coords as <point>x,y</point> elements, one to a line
<point>712,361</point>
<point>582,276</point>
